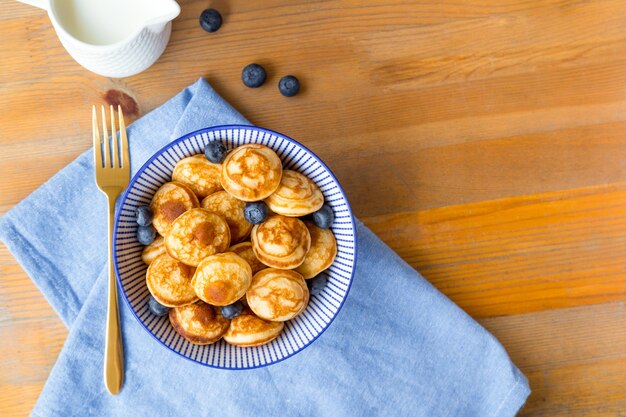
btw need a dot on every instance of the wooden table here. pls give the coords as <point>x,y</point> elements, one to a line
<point>483,140</point>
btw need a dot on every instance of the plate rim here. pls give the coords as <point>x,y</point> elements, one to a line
<point>159,152</point>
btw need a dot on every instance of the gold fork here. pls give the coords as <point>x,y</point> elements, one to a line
<point>112,176</point>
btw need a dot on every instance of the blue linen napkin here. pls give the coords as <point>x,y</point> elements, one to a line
<point>397,348</point>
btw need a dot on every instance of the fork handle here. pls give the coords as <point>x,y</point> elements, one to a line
<point>113,353</point>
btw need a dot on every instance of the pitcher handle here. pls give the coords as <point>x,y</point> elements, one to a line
<point>42,4</point>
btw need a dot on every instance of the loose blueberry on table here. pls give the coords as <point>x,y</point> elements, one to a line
<point>215,152</point>
<point>316,284</point>
<point>157,308</point>
<point>146,234</point>
<point>255,212</point>
<point>210,20</point>
<point>232,310</point>
<point>289,86</point>
<point>324,217</point>
<point>144,215</point>
<point>253,75</point>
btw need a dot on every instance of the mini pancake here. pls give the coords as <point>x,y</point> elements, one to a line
<point>222,279</point>
<point>199,174</point>
<point>251,172</point>
<point>232,209</point>
<point>248,330</point>
<point>322,253</point>
<point>196,234</point>
<point>199,323</point>
<point>296,195</point>
<point>244,249</point>
<point>281,242</point>
<point>153,250</point>
<point>169,281</point>
<point>277,294</point>
<point>169,202</point>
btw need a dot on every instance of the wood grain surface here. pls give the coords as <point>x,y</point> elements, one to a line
<point>483,140</point>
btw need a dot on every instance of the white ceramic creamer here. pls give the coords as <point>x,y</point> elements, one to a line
<point>114,38</point>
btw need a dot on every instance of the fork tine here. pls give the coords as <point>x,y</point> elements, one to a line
<point>125,160</point>
<point>105,140</point>
<point>97,145</point>
<point>115,158</point>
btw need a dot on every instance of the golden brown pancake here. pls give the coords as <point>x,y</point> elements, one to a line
<point>199,323</point>
<point>248,330</point>
<point>251,172</point>
<point>196,234</point>
<point>277,294</point>
<point>281,242</point>
<point>199,174</point>
<point>322,253</point>
<point>222,279</point>
<point>153,250</point>
<point>169,281</point>
<point>232,209</point>
<point>169,202</point>
<point>296,195</point>
<point>244,249</point>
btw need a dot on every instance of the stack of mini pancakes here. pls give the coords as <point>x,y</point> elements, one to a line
<point>207,255</point>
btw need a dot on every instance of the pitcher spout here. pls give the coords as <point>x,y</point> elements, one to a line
<point>163,11</point>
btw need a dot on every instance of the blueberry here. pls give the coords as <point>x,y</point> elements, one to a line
<point>316,284</point>
<point>289,86</point>
<point>144,215</point>
<point>215,152</point>
<point>324,217</point>
<point>146,234</point>
<point>156,308</point>
<point>232,310</point>
<point>253,75</point>
<point>210,20</point>
<point>255,212</point>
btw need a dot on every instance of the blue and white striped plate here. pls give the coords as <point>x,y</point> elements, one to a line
<point>299,332</point>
